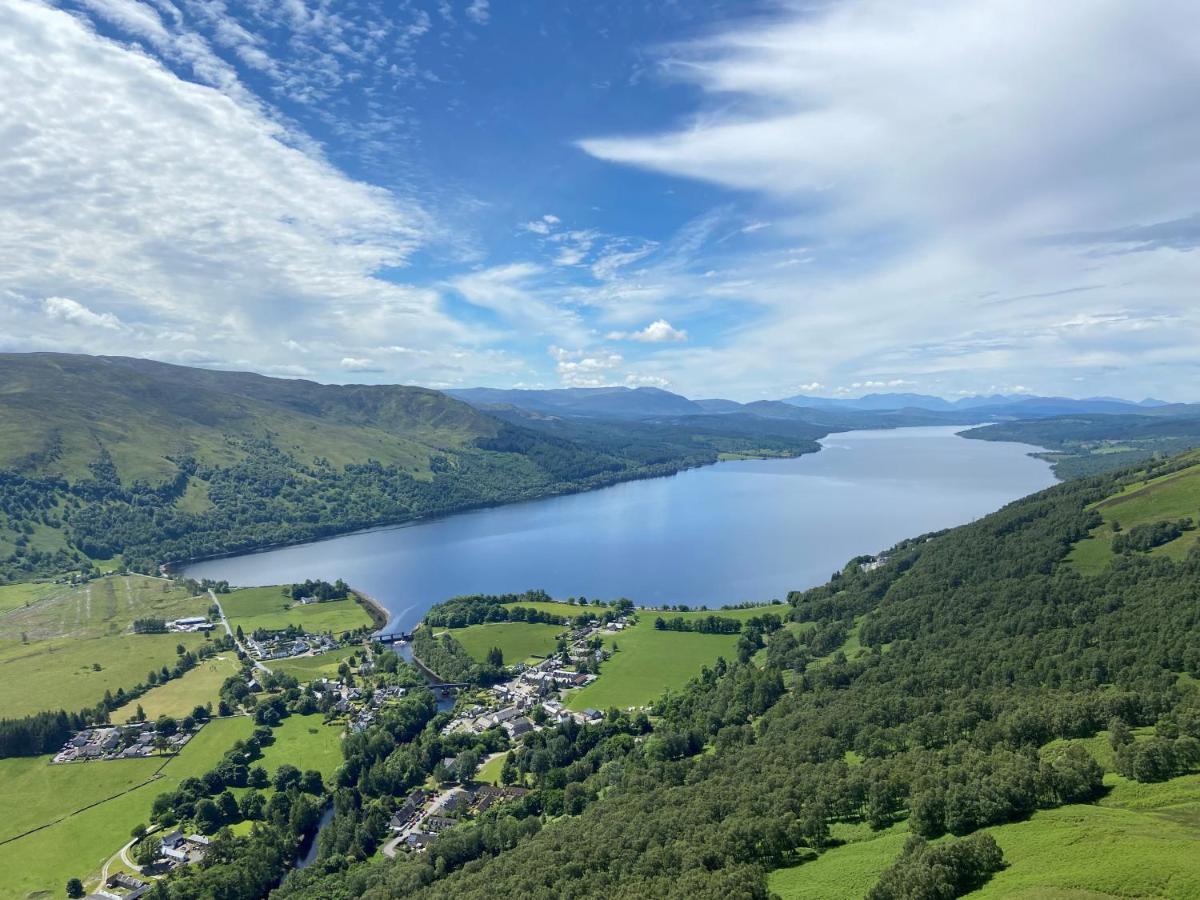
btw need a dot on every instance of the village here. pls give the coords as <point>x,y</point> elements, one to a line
<point>133,741</point>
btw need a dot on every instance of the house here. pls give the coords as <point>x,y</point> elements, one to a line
<point>518,727</point>
<point>437,824</point>
<point>592,715</point>
<point>173,839</point>
<point>500,716</point>
<point>419,840</point>
<point>457,801</point>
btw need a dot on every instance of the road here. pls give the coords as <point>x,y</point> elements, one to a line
<point>389,849</point>
<point>229,631</point>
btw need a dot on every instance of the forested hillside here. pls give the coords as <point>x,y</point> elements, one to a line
<point>1082,445</point>
<point>106,456</point>
<point>979,677</point>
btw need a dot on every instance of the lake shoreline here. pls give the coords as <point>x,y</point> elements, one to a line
<point>749,531</point>
<point>174,568</point>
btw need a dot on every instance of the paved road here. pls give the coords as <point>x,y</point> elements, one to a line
<point>389,849</point>
<point>229,631</point>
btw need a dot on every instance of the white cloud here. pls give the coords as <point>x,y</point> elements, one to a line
<point>124,187</point>
<point>659,331</point>
<point>63,309</point>
<point>357,364</point>
<point>511,291</point>
<point>981,191</point>
<point>478,12</point>
<point>579,368</point>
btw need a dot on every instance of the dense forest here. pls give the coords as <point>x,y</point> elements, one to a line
<point>979,646</point>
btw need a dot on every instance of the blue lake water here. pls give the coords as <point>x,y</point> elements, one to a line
<point>746,530</point>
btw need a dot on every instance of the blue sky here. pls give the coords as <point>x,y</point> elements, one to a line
<point>725,199</point>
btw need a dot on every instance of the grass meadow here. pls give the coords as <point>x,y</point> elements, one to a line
<point>83,828</point>
<point>518,641</point>
<point>1173,496</point>
<point>63,673</point>
<point>269,608</point>
<point>1138,841</point>
<point>649,662</point>
<point>306,743</point>
<point>310,668</point>
<point>180,696</point>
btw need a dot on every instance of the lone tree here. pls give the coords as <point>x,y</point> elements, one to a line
<point>495,657</point>
<point>74,887</point>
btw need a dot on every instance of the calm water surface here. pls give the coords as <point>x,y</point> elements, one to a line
<point>736,531</point>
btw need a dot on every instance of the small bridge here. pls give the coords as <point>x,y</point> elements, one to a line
<point>396,637</point>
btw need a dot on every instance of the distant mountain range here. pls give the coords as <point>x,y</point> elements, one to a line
<point>652,403</point>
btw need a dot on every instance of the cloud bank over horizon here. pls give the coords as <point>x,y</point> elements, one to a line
<point>771,199</point>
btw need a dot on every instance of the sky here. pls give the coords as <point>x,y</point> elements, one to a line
<point>724,199</point>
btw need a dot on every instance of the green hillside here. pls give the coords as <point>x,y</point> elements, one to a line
<point>994,721</point>
<point>1163,494</point>
<point>105,457</point>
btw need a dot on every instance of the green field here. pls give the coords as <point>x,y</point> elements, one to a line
<point>310,668</point>
<point>306,743</point>
<point>100,608</point>
<point>61,674</point>
<point>1173,496</point>
<point>269,608</point>
<point>15,596</point>
<point>489,772</point>
<point>1139,841</point>
<point>518,641</point>
<point>649,662</point>
<point>180,696</point>
<point>81,839</point>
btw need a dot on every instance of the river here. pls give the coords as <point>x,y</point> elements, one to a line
<point>736,531</point>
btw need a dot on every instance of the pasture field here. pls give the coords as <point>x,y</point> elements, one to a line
<point>570,610</point>
<point>310,668</point>
<point>81,840</point>
<point>99,608</point>
<point>269,608</point>
<point>518,641</point>
<point>16,596</point>
<point>33,792</point>
<point>306,743</point>
<point>1173,496</point>
<point>1138,841</point>
<point>179,696</point>
<point>649,662</point>
<point>63,673</point>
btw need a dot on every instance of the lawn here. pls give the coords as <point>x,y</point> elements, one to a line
<point>1172,496</point>
<point>269,608</point>
<point>649,662</point>
<point>518,641</point>
<point>63,673</point>
<point>306,743</point>
<point>79,844</point>
<point>180,696</point>
<point>489,772</point>
<point>310,668</point>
